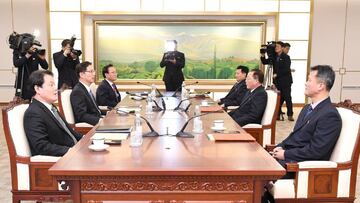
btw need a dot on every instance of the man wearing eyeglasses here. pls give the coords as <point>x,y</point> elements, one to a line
<point>82,99</point>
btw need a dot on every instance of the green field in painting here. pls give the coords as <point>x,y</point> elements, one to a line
<point>194,69</point>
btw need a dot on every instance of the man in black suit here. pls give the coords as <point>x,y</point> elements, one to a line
<point>174,62</point>
<point>252,106</point>
<point>318,126</point>
<point>82,99</point>
<point>107,93</point>
<point>282,77</point>
<point>237,92</point>
<point>65,61</point>
<point>47,132</point>
<point>27,63</point>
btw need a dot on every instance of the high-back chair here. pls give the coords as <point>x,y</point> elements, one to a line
<point>326,181</point>
<point>264,133</point>
<point>29,174</point>
<point>66,111</point>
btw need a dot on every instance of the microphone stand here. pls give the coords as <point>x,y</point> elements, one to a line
<point>152,132</point>
<point>157,107</point>
<point>163,103</point>
<point>156,89</point>
<point>178,106</point>
<point>183,134</point>
<point>177,89</point>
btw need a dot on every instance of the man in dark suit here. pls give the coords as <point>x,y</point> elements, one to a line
<point>47,132</point>
<point>65,61</point>
<point>174,61</point>
<point>27,63</point>
<point>282,77</point>
<point>318,126</point>
<point>252,106</point>
<point>107,93</point>
<point>237,92</point>
<point>82,99</point>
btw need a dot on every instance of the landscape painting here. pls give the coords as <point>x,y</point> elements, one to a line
<point>212,50</point>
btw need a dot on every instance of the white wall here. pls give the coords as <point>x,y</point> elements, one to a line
<point>26,17</point>
<point>335,41</point>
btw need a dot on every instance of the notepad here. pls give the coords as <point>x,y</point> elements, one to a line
<point>114,129</point>
<point>113,137</point>
<point>231,137</point>
<point>211,109</point>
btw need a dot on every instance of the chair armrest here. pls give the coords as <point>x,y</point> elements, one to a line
<point>42,158</point>
<point>309,165</point>
<point>270,147</point>
<point>252,125</point>
<point>82,125</point>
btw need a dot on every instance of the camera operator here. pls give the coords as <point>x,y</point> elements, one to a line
<point>174,62</point>
<point>66,61</point>
<point>27,63</point>
<point>281,77</point>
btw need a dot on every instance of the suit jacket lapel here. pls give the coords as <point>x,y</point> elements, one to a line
<point>47,111</point>
<point>301,123</point>
<point>89,97</point>
<point>249,95</point>
<point>112,90</point>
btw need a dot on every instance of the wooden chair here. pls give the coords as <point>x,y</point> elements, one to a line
<point>29,174</point>
<point>327,181</point>
<point>66,111</point>
<point>264,133</point>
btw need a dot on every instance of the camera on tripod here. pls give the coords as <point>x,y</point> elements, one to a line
<point>72,50</point>
<point>24,42</point>
<point>269,49</point>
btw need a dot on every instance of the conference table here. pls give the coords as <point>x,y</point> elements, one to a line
<point>168,168</point>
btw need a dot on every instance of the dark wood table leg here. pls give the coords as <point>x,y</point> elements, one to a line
<point>258,190</point>
<point>75,191</point>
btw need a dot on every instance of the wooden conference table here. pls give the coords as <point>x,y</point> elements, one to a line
<point>168,168</point>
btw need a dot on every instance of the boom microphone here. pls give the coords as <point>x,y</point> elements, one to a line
<point>181,133</point>
<point>152,132</point>
<point>177,89</point>
<point>157,90</point>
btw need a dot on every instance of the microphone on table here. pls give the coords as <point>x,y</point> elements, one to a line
<point>181,133</point>
<point>152,132</point>
<point>178,106</point>
<point>157,107</point>
<point>163,103</point>
<point>177,89</point>
<point>157,90</point>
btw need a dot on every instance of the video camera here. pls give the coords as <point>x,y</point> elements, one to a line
<point>269,49</point>
<point>72,43</point>
<point>170,55</point>
<point>23,43</point>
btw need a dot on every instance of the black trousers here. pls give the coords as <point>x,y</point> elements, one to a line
<point>285,96</point>
<point>172,85</point>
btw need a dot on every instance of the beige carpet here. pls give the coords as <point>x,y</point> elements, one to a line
<point>283,129</point>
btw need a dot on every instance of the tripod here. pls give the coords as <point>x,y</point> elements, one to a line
<point>268,79</point>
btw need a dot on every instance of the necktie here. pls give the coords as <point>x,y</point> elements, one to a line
<point>308,111</point>
<point>94,101</point>
<point>62,123</point>
<point>116,93</point>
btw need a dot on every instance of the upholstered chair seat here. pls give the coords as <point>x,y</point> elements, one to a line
<point>264,133</point>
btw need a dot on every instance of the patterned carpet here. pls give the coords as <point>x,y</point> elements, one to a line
<point>283,129</point>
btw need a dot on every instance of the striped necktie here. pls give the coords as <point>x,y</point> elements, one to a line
<point>62,123</point>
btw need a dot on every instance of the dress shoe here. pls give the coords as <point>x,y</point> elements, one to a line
<point>280,117</point>
<point>290,118</point>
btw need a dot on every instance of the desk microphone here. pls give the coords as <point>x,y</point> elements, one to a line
<point>178,106</point>
<point>157,107</point>
<point>183,134</point>
<point>152,132</point>
<point>163,103</point>
<point>157,90</point>
<point>177,89</point>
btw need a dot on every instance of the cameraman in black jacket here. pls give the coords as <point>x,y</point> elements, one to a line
<point>282,77</point>
<point>27,63</point>
<point>174,62</point>
<point>66,61</point>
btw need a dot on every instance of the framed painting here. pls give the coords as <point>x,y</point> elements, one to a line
<point>212,50</point>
